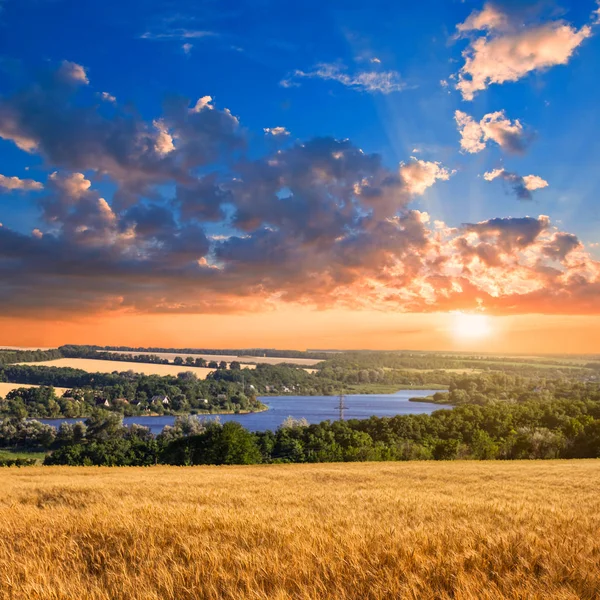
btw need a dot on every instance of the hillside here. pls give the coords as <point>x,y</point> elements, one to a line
<point>354,531</point>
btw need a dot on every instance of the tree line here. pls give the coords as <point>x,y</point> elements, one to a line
<point>535,429</point>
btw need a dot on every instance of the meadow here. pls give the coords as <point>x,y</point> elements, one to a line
<point>461,530</point>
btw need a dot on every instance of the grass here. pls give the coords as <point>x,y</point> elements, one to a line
<point>461,530</point>
<point>11,455</point>
<point>388,388</point>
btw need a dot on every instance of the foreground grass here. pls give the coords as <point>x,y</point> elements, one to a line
<point>463,530</point>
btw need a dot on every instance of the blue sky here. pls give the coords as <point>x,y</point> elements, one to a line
<point>134,50</point>
<point>383,75</point>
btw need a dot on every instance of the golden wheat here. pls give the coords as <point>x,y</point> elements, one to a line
<point>462,530</point>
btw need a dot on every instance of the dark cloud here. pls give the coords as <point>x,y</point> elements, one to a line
<point>51,119</point>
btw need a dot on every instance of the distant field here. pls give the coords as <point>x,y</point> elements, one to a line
<point>533,363</point>
<point>370,531</point>
<point>108,366</point>
<point>25,348</point>
<point>269,360</point>
<point>9,387</point>
<point>456,371</point>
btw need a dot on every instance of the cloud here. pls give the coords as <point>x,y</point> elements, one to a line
<point>489,18</point>
<point>508,51</point>
<point>384,82</point>
<point>108,97</point>
<point>187,47</point>
<point>197,226</point>
<point>521,186</point>
<point>418,175</point>
<point>22,185</point>
<point>179,33</point>
<point>72,73</point>
<point>276,131</point>
<point>49,119</point>
<point>509,135</point>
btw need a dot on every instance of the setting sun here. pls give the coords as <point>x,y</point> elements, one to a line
<point>471,325</point>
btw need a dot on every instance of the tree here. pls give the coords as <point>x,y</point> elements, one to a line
<point>178,360</point>
<point>235,365</point>
<point>189,360</point>
<point>228,444</point>
<point>222,365</point>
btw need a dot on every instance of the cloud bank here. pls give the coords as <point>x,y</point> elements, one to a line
<point>319,223</point>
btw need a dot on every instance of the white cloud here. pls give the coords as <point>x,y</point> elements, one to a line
<point>508,52</point>
<point>164,140</point>
<point>534,182</point>
<point>509,135</point>
<point>21,185</point>
<point>74,185</point>
<point>487,19</point>
<point>178,34</point>
<point>384,82</point>
<point>203,103</point>
<point>187,47</point>
<point>276,131</point>
<point>108,97</point>
<point>376,60</point>
<point>419,175</point>
<point>73,73</point>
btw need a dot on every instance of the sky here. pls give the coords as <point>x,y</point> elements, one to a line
<point>300,175</point>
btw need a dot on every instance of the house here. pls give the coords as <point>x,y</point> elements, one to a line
<point>160,399</point>
<point>102,402</point>
<point>222,397</point>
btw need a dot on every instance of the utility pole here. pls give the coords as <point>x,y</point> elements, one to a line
<point>341,406</point>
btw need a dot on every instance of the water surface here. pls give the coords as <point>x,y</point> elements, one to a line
<point>312,408</point>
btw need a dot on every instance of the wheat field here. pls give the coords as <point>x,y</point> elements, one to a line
<point>461,530</point>
<point>92,365</point>
<point>5,388</point>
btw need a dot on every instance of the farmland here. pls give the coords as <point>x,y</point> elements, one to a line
<point>245,359</point>
<point>375,531</point>
<point>108,366</point>
<point>5,388</point>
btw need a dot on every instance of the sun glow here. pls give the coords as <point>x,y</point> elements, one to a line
<point>471,326</point>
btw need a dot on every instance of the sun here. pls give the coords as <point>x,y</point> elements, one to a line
<point>471,326</point>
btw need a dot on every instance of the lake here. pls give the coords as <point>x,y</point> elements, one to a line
<point>312,408</point>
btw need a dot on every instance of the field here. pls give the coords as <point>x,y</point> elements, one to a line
<point>461,530</point>
<point>9,387</point>
<point>108,366</point>
<point>269,360</point>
